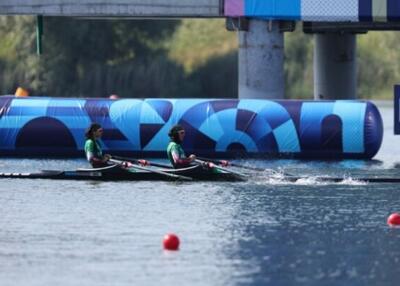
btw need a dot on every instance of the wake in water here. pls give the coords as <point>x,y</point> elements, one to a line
<point>280,178</point>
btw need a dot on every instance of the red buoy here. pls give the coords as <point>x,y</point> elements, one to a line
<point>394,219</point>
<point>171,242</point>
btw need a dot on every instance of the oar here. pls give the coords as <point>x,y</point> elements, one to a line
<point>96,169</point>
<point>136,161</point>
<point>222,162</point>
<point>222,168</point>
<point>175,176</point>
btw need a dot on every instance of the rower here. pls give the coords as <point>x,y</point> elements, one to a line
<point>93,150</point>
<point>175,153</point>
<point>94,153</point>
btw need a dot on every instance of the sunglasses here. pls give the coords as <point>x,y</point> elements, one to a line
<point>181,132</point>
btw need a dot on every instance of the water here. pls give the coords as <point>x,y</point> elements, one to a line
<point>262,232</point>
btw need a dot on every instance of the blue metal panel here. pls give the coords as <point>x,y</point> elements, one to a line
<point>274,9</point>
<point>393,10</point>
<point>397,109</point>
<point>316,10</point>
<point>365,10</point>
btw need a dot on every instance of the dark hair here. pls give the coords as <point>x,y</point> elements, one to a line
<point>92,128</point>
<point>174,133</point>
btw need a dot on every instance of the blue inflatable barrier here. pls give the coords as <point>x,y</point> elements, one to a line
<point>40,126</point>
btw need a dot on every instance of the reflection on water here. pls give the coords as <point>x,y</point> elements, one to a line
<point>266,231</point>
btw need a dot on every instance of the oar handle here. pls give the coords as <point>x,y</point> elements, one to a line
<point>175,176</point>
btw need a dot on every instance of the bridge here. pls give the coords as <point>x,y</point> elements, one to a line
<point>260,24</point>
<point>116,8</point>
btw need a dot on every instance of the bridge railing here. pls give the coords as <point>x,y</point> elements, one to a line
<point>116,8</point>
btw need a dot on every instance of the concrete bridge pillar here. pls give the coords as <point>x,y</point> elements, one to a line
<point>335,66</point>
<point>261,55</point>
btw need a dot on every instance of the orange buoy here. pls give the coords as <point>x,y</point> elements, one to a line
<point>171,242</point>
<point>21,92</point>
<point>394,219</point>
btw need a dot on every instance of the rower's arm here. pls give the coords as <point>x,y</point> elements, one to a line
<point>179,161</point>
<point>90,155</point>
<point>92,159</point>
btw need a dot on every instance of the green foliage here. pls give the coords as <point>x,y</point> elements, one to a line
<point>18,64</point>
<point>298,65</point>
<point>377,58</point>
<point>218,78</point>
<point>166,58</point>
<point>208,54</point>
<point>378,64</point>
<point>88,57</point>
<point>197,41</point>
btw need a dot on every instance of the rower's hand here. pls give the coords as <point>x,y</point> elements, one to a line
<point>126,164</point>
<point>143,162</point>
<point>192,158</point>
<point>106,157</point>
<point>224,163</point>
<point>208,165</point>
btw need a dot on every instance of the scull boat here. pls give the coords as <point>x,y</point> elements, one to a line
<point>116,173</point>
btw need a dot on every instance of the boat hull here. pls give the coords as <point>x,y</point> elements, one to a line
<point>197,173</point>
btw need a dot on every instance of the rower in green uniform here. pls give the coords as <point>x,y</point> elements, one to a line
<point>93,150</point>
<point>177,156</point>
<point>175,153</point>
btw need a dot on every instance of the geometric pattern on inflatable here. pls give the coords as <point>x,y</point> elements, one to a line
<point>40,126</point>
<point>316,10</point>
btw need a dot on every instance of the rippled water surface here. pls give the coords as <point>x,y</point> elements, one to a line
<point>266,231</point>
